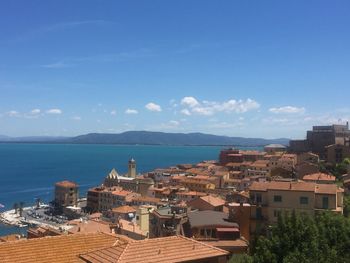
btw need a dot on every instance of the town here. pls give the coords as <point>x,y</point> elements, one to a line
<point>212,210</point>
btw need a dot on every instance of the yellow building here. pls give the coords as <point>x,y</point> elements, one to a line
<point>270,199</point>
<point>259,168</point>
<point>197,184</point>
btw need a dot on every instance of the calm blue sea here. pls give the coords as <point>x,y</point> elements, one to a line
<point>29,171</point>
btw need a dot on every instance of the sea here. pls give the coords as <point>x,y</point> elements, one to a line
<point>29,171</point>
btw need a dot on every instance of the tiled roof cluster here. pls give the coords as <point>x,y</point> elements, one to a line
<point>64,248</point>
<point>294,186</point>
<point>319,177</point>
<point>166,249</point>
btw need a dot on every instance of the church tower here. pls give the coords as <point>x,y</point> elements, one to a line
<point>132,168</point>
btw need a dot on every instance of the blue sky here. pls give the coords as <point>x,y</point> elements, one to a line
<point>240,68</point>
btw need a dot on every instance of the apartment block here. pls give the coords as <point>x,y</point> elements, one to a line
<point>270,199</point>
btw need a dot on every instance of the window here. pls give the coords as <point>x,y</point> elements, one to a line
<point>325,202</point>
<point>277,198</point>
<point>258,198</point>
<point>304,200</point>
<point>258,213</point>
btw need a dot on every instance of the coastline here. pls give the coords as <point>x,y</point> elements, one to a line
<point>10,218</point>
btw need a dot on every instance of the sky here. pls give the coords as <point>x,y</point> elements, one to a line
<point>266,69</point>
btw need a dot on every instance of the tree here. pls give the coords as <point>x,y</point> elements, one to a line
<point>300,238</point>
<point>15,206</point>
<point>341,168</point>
<point>241,258</point>
<point>346,203</point>
<point>21,205</point>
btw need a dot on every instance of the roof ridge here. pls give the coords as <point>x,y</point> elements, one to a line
<point>53,237</point>
<point>123,252</point>
<point>103,248</point>
<point>202,243</point>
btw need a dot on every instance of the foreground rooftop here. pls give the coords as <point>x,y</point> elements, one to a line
<point>64,248</point>
<point>166,249</point>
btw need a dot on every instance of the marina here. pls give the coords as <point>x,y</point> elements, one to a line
<point>34,216</point>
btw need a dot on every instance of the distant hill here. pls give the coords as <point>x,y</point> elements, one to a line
<point>4,137</point>
<point>153,138</point>
<point>162,138</point>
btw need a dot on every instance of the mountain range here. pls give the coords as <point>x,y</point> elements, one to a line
<point>149,138</point>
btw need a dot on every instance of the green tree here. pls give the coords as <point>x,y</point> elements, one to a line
<point>241,258</point>
<point>346,203</point>
<point>297,238</point>
<point>341,168</point>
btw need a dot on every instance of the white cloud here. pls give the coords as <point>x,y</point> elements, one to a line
<point>12,113</point>
<point>287,109</point>
<point>57,65</point>
<point>54,111</point>
<point>189,101</point>
<point>207,111</point>
<point>170,126</point>
<point>35,111</point>
<point>209,108</point>
<point>131,111</point>
<point>186,112</point>
<point>33,114</point>
<point>174,123</point>
<point>113,112</point>
<point>76,118</point>
<point>153,107</point>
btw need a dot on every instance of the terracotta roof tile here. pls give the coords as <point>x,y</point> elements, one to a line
<point>67,184</point>
<point>319,177</point>
<point>65,248</point>
<point>290,186</point>
<point>125,209</point>
<point>154,250</point>
<point>213,200</point>
<point>121,193</point>
<point>8,238</point>
<point>294,186</point>
<point>330,189</point>
<point>90,226</point>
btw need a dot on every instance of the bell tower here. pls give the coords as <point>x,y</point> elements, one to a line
<point>132,168</point>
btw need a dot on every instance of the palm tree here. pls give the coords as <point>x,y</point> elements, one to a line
<point>15,206</point>
<point>37,201</point>
<point>21,205</point>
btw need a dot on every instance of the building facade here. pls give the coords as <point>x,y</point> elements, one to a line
<point>271,199</point>
<point>66,193</point>
<point>321,136</point>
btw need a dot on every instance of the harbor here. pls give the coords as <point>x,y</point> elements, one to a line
<point>34,216</point>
